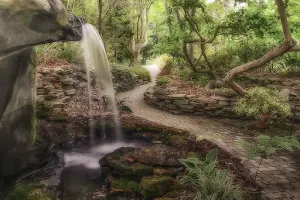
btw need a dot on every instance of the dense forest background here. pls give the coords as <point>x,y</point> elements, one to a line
<point>205,39</point>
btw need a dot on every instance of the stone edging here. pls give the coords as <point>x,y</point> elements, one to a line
<point>214,105</point>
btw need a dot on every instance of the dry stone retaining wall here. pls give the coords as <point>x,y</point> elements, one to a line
<point>215,105</point>
<point>58,85</point>
<point>218,102</point>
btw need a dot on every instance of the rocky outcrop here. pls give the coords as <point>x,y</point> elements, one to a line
<point>23,25</point>
<point>150,172</point>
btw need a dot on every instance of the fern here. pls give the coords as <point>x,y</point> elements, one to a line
<point>265,146</point>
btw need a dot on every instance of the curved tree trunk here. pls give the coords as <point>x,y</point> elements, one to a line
<point>289,45</point>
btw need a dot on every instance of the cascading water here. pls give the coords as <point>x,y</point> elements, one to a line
<point>96,59</point>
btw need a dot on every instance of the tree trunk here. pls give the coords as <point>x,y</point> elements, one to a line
<point>188,58</point>
<point>289,45</point>
<point>211,68</point>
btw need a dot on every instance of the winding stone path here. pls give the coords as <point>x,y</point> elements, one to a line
<point>279,176</point>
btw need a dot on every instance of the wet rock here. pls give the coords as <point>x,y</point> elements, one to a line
<point>161,155</point>
<point>119,163</point>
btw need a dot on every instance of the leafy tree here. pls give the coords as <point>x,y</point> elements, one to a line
<point>289,45</point>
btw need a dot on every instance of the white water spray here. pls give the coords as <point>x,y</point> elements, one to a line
<point>96,59</point>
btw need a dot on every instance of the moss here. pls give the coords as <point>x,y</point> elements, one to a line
<point>117,161</point>
<point>28,192</point>
<point>43,110</point>
<point>155,186</point>
<point>125,183</point>
<point>32,134</point>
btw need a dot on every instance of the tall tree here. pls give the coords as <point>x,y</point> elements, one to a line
<point>139,20</point>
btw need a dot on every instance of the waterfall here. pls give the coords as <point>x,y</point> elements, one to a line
<point>96,59</point>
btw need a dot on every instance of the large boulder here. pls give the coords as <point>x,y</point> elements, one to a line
<point>161,155</point>
<point>120,162</point>
<point>24,24</point>
<point>27,23</point>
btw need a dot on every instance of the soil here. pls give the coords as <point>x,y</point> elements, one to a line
<point>185,86</point>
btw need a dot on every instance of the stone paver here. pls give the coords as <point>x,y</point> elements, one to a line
<point>279,176</point>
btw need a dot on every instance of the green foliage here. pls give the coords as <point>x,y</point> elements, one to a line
<point>209,182</point>
<point>165,61</point>
<point>122,105</point>
<point>259,100</point>
<point>68,51</point>
<point>163,81</point>
<point>200,78</point>
<point>123,77</point>
<point>285,65</point>
<point>43,110</point>
<point>264,146</point>
<point>141,73</point>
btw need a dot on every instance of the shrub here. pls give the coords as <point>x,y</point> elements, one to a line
<point>209,182</point>
<point>288,63</point>
<point>123,77</point>
<point>69,51</point>
<point>141,73</point>
<point>163,81</point>
<point>259,100</point>
<point>165,60</point>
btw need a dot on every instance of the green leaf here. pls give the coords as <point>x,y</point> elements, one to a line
<point>209,168</point>
<point>212,156</point>
<point>186,179</point>
<point>190,163</point>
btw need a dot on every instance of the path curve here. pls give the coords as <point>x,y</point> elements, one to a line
<point>279,176</point>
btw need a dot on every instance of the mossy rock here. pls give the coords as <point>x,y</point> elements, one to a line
<point>124,184</point>
<point>120,162</point>
<point>159,155</point>
<point>29,192</point>
<point>155,186</point>
<point>169,171</point>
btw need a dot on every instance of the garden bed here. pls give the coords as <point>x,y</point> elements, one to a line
<point>62,135</point>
